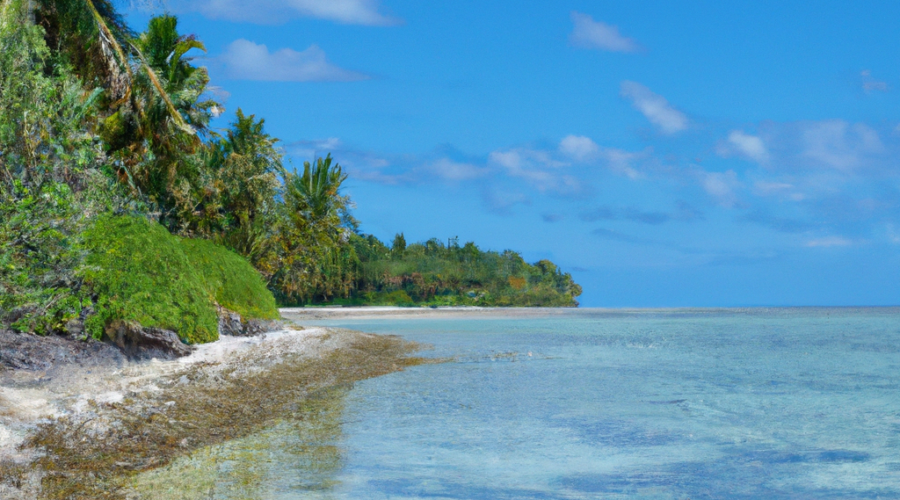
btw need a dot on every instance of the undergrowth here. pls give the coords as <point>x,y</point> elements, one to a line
<point>139,272</point>
<point>234,283</point>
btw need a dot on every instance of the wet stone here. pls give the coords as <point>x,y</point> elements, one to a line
<point>139,342</point>
<point>24,351</point>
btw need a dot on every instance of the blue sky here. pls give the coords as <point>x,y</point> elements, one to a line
<point>665,153</point>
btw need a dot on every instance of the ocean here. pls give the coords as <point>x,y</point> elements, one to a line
<point>595,404</point>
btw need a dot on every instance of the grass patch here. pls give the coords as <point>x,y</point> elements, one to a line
<point>137,271</point>
<point>234,283</point>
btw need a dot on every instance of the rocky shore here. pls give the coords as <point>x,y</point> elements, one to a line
<point>81,419</point>
<point>122,342</point>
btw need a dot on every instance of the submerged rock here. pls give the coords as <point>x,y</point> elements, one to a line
<point>139,342</point>
<point>25,351</point>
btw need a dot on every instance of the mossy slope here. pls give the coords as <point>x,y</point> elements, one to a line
<point>234,283</point>
<point>137,271</point>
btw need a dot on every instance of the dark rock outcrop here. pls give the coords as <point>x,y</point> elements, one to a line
<point>254,327</point>
<point>25,351</point>
<point>125,341</point>
<point>139,342</point>
<point>231,323</point>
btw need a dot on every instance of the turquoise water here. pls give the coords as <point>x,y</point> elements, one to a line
<point>771,404</point>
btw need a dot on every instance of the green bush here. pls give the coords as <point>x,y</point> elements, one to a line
<point>139,272</point>
<point>233,282</point>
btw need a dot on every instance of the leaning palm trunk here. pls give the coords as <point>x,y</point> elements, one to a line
<point>107,40</point>
<point>179,120</point>
<point>120,85</point>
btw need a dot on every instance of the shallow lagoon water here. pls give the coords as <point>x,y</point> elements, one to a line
<point>765,403</point>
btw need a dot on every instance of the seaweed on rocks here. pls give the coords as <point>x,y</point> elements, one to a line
<point>92,454</point>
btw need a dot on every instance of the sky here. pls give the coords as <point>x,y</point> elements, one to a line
<point>666,154</point>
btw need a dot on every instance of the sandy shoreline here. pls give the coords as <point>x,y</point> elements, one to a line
<point>75,403</point>
<point>299,314</point>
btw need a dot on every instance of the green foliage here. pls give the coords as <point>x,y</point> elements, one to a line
<point>45,119</point>
<point>431,273</point>
<point>234,283</point>
<point>51,183</point>
<point>139,272</point>
<point>315,260</point>
<point>241,179</point>
<point>37,262</point>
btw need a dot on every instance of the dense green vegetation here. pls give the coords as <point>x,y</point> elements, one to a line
<point>230,279</point>
<point>118,201</point>
<point>432,273</point>
<point>139,272</point>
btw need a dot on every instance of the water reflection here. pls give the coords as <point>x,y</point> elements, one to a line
<point>301,455</point>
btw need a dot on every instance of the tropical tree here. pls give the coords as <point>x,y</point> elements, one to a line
<point>242,187</point>
<point>317,259</point>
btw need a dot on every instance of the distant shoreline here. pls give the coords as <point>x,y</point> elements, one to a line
<point>317,313</point>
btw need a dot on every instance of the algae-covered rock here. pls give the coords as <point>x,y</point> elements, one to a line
<point>231,323</point>
<point>138,342</point>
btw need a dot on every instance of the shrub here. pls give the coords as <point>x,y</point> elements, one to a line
<point>139,272</point>
<point>233,282</point>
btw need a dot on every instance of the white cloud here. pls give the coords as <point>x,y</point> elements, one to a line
<point>583,149</point>
<point>454,171</point>
<point>746,145</point>
<point>655,107</point>
<point>245,60</point>
<point>721,186</point>
<point>364,12</point>
<point>870,84</point>
<point>518,164</point>
<point>590,34</point>
<point>579,148</point>
<point>619,161</point>
<point>838,145</point>
<point>830,241</point>
<point>538,168</point>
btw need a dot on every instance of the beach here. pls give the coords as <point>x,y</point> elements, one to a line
<point>77,429</point>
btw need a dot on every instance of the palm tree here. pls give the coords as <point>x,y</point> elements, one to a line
<point>316,193</point>
<point>316,260</point>
<point>245,167</point>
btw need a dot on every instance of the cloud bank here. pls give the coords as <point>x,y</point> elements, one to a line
<point>245,60</point>
<point>362,12</point>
